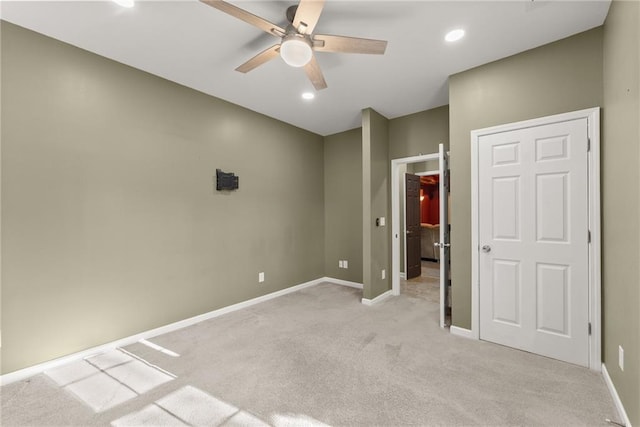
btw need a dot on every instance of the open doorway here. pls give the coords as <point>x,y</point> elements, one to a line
<point>420,229</point>
<point>422,220</point>
<point>421,276</point>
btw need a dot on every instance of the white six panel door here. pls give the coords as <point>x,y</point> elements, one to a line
<point>533,235</point>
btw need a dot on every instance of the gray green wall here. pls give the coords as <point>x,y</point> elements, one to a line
<point>343,204</point>
<point>111,224</point>
<point>419,133</point>
<point>375,198</point>
<point>621,202</point>
<point>559,77</point>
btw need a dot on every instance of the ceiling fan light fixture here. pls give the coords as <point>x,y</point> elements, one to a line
<point>295,51</point>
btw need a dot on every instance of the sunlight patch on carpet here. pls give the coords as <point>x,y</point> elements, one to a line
<point>197,407</point>
<point>150,415</point>
<point>106,380</point>
<point>190,406</point>
<point>159,348</point>
<point>295,420</point>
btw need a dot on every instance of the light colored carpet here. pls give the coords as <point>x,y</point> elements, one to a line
<point>315,357</point>
<point>425,286</point>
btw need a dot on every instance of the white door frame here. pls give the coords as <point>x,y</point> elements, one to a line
<point>593,122</point>
<point>395,215</point>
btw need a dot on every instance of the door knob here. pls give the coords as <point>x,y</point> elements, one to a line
<point>486,248</point>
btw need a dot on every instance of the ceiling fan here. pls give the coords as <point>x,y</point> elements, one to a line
<point>297,40</point>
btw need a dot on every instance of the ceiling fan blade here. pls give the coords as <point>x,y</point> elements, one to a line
<point>247,17</point>
<point>307,15</point>
<point>342,44</point>
<point>315,74</point>
<point>264,56</point>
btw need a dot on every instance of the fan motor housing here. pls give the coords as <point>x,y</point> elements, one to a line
<point>291,12</point>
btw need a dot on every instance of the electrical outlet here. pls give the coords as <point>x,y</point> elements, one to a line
<point>621,357</point>
<point>340,264</point>
<point>260,277</point>
<point>345,263</point>
<point>384,274</point>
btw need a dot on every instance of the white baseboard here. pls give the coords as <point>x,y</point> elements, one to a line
<point>343,282</point>
<point>462,332</point>
<point>377,299</point>
<point>403,276</point>
<point>616,399</point>
<point>41,367</point>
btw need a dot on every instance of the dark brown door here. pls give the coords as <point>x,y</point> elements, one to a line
<point>413,225</point>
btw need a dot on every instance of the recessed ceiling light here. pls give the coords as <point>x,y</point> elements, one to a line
<point>308,95</point>
<point>124,3</point>
<point>454,35</point>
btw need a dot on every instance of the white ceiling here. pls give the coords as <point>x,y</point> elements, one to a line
<point>197,46</point>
